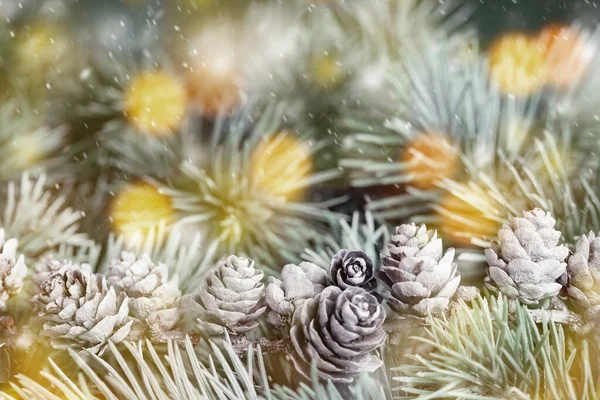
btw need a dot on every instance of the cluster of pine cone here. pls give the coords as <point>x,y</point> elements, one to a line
<point>333,318</point>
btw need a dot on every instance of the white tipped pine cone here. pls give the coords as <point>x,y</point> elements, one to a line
<point>338,330</point>
<point>232,298</point>
<point>12,270</point>
<point>583,275</point>
<point>297,283</point>
<point>419,276</point>
<point>153,298</point>
<point>80,310</point>
<point>48,266</point>
<point>526,261</point>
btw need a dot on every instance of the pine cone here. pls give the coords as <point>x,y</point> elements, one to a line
<point>338,329</point>
<point>583,273</point>
<point>233,297</point>
<point>298,283</point>
<point>420,278</point>
<point>352,268</point>
<point>153,298</point>
<point>79,309</point>
<point>12,270</point>
<point>526,261</point>
<point>48,266</point>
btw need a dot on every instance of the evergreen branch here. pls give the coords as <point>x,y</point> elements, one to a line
<point>240,344</point>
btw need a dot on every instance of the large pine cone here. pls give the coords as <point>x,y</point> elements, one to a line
<point>12,270</point>
<point>352,268</point>
<point>420,278</point>
<point>583,272</point>
<point>80,310</point>
<point>153,298</point>
<point>526,261</point>
<point>233,297</point>
<point>298,283</point>
<point>339,331</point>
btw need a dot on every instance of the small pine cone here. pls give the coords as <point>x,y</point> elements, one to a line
<point>298,283</point>
<point>233,297</point>
<point>48,266</point>
<point>153,298</point>
<point>338,329</point>
<point>12,270</point>
<point>583,275</point>
<point>526,261</point>
<point>420,278</point>
<point>80,310</point>
<point>352,268</point>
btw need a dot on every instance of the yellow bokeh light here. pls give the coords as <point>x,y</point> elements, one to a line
<point>140,209</point>
<point>155,102</point>
<point>280,165</point>
<point>517,65</point>
<point>41,48</point>
<point>467,217</point>
<point>326,70</point>
<point>430,158</point>
<point>27,149</point>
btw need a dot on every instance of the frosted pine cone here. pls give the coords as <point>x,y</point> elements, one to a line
<point>339,329</point>
<point>233,297</point>
<point>153,298</point>
<point>352,268</point>
<point>12,270</point>
<point>80,310</point>
<point>48,266</point>
<point>583,272</point>
<point>298,283</point>
<point>527,261</point>
<point>420,278</point>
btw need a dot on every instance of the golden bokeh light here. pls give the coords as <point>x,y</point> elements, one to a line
<point>326,70</point>
<point>42,49</point>
<point>467,217</point>
<point>139,209</point>
<point>430,158</point>
<point>517,64</point>
<point>280,165</point>
<point>155,102</point>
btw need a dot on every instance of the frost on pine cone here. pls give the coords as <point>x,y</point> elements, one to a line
<point>153,298</point>
<point>526,261</point>
<point>232,298</point>
<point>48,266</point>
<point>12,270</point>
<point>79,309</point>
<point>352,268</point>
<point>583,273</point>
<point>297,283</point>
<point>420,278</point>
<point>338,329</point>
